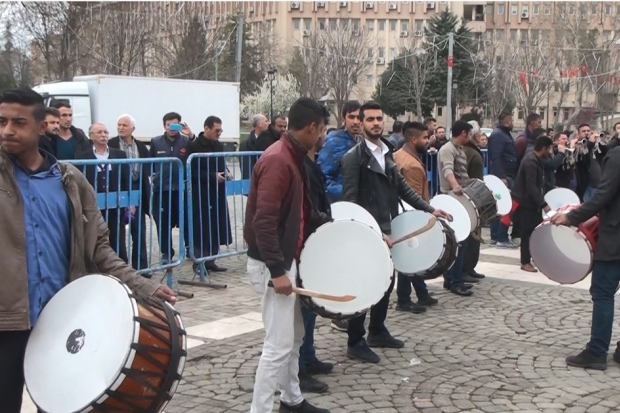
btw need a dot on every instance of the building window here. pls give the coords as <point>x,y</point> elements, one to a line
<point>419,25</point>
<point>541,112</point>
<point>514,9</point>
<point>608,9</point>
<point>369,80</point>
<point>404,25</point>
<point>525,9</point>
<point>296,24</point>
<point>524,36</point>
<point>555,114</point>
<point>536,9</point>
<point>520,114</point>
<point>490,9</point>
<point>393,25</point>
<point>307,24</point>
<point>333,24</point>
<point>607,35</point>
<point>499,34</point>
<point>392,53</point>
<point>439,110</point>
<point>322,25</point>
<point>547,10</point>
<point>382,52</point>
<point>617,10</point>
<point>501,9</point>
<point>571,9</point>
<point>513,34</point>
<point>371,53</point>
<point>381,25</point>
<point>370,24</point>
<point>356,25</point>
<point>565,113</point>
<point>344,23</point>
<point>594,8</point>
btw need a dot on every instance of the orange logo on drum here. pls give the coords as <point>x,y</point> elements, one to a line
<point>75,342</point>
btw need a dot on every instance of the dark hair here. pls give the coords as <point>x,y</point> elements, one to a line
<point>330,130</point>
<point>615,124</point>
<point>564,132</point>
<point>502,116</point>
<point>326,115</point>
<point>440,127</point>
<point>350,106</point>
<point>26,97</point>
<point>370,105</point>
<point>304,112</point>
<point>171,116</point>
<point>582,125</point>
<point>538,132</point>
<point>52,111</point>
<point>459,127</point>
<point>275,118</point>
<point>412,129</point>
<point>532,117</point>
<point>549,130</point>
<point>397,127</point>
<point>211,121</point>
<point>429,120</point>
<point>542,142</point>
<point>60,104</point>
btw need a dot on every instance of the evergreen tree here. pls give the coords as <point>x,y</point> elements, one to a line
<point>191,60</point>
<point>7,68</point>
<point>251,58</point>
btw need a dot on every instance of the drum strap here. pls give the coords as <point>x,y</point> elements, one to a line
<point>162,394</point>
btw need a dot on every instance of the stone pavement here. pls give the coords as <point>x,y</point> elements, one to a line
<point>501,350</point>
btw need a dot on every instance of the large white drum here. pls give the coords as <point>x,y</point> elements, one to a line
<point>345,258</point>
<point>461,222</point>
<point>419,253</point>
<point>343,210</point>
<point>559,197</point>
<point>501,193</point>
<point>97,347</point>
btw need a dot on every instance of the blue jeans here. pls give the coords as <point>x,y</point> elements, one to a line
<point>454,276</point>
<point>499,231</point>
<point>605,280</point>
<point>589,193</point>
<point>307,354</point>
<point>403,288</point>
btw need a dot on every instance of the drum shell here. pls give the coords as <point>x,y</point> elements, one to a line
<point>479,198</point>
<point>447,259</point>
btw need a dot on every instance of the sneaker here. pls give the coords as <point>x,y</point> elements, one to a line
<point>411,307</point>
<point>469,279</point>
<point>587,360</point>
<point>384,340</point>
<point>362,352</point>
<point>516,241</point>
<point>528,268</point>
<point>475,274</point>
<point>616,356</point>
<point>427,301</point>
<point>319,367</point>
<point>506,245</point>
<point>309,384</point>
<point>340,325</point>
<point>491,242</point>
<point>303,407</point>
<point>446,286</point>
<point>462,291</point>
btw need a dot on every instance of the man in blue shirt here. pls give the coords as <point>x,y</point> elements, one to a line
<point>53,233</point>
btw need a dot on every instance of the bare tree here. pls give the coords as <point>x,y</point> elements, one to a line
<point>308,67</point>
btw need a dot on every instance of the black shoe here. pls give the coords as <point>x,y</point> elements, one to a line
<point>446,286</point>
<point>461,290</point>
<point>303,407</point>
<point>362,352</point>
<point>384,340</point>
<point>319,367</point>
<point>475,274</point>
<point>616,356</point>
<point>211,266</point>
<point>427,301</point>
<point>469,279</point>
<point>411,307</point>
<point>309,384</point>
<point>587,360</point>
<point>340,325</point>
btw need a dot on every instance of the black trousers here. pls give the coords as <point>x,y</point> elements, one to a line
<point>529,219</point>
<point>139,257</point>
<point>12,351</point>
<point>166,214</point>
<point>472,255</point>
<point>378,314</point>
<point>118,234</point>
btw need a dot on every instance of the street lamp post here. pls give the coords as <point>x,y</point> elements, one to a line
<point>272,74</point>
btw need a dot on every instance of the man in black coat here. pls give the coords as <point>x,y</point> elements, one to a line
<point>134,148</point>
<point>108,179</point>
<point>210,209</point>
<point>48,141</point>
<point>272,134</point>
<point>260,123</point>
<point>606,270</point>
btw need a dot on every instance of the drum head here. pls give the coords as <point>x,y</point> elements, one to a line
<point>346,257</point>
<point>471,209</point>
<point>348,210</point>
<point>560,197</point>
<point>419,253</point>
<point>501,193</point>
<point>461,223</point>
<point>561,253</point>
<point>80,344</point>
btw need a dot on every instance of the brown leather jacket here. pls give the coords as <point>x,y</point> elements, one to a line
<point>90,248</point>
<point>413,170</point>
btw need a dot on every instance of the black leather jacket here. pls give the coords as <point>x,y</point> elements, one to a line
<point>364,183</point>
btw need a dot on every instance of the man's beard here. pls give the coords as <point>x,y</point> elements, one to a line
<point>373,135</point>
<point>420,147</point>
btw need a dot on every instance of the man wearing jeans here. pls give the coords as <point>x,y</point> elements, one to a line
<point>606,271</point>
<point>503,164</point>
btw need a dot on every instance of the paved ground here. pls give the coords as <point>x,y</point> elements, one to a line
<point>501,350</point>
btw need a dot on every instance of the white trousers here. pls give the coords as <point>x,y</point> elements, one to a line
<point>284,331</point>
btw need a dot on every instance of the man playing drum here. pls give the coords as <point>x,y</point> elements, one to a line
<point>278,211</point>
<point>452,173</point>
<point>371,180</point>
<point>606,270</point>
<point>53,233</point>
<point>412,168</point>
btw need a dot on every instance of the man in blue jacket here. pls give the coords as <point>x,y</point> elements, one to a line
<point>336,145</point>
<point>503,164</point>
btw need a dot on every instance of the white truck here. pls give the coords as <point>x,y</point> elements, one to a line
<point>103,98</point>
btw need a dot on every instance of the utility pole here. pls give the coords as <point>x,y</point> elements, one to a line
<point>219,47</point>
<point>240,26</point>
<point>449,88</point>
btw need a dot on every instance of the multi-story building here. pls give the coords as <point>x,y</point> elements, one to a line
<point>394,23</point>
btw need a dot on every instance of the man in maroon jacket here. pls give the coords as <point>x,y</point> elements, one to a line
<point>278,210</point>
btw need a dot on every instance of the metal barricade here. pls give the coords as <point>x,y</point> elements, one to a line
<point>217,186</point>
<point>142,199</point>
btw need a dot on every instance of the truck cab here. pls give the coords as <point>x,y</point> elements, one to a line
<point>76,94</point>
